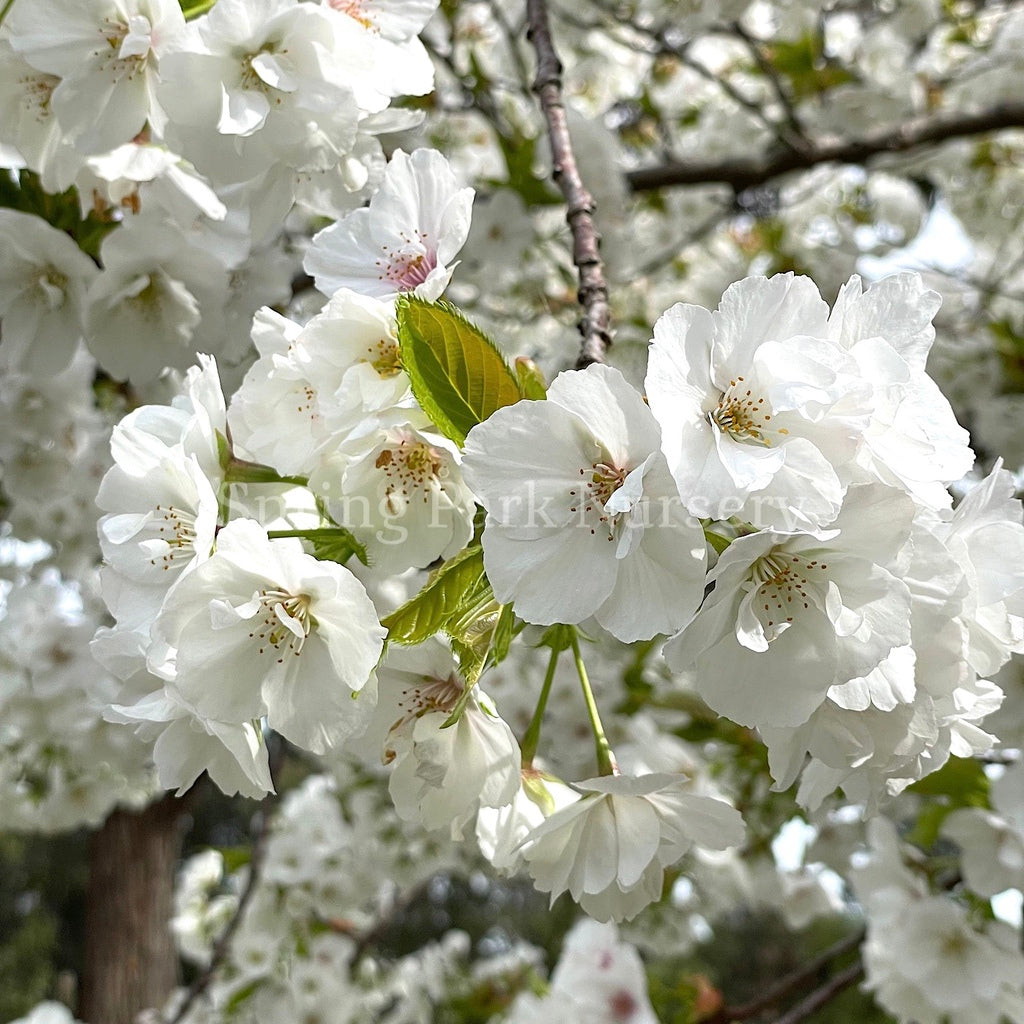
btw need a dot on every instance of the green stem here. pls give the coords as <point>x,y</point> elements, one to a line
<point>606,763</point>
<point>532,737</point>
<point>241,471</point>
<point>3,10</point>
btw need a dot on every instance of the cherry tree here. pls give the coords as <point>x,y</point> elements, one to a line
<point>568,446</point>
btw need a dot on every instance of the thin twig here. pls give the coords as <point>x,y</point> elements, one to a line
<point>372,937</point>
<point>683,55</point>
<point>744,174</point>
<point>223,944</point>
<point>797,135</point>
<point>522,71</point>
<point>791,982</point>
<point>824,995</point>
<point>595,324</point>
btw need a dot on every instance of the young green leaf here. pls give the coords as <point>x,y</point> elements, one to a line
<point>531,380</point>
<point>441,600</point>
<point>336,544</point>
<point>458,375</point>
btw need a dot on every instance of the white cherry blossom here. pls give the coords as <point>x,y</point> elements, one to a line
<point>262,628</point>
<point>161,518</point>
<point>153,304</point>
<point>986,535</point>
<point>759,411</point>
<point>598,978</point>
<point>254,85</point>
<point>397,20</point>
<point>610,848</point>
<point>405,240</point>
<point>440,776</point>
<point>195,420</point>
<point>314,386</point>
<point>106,54</point>
<point>27,121</point>
<point>582,516</point>
<point>186,744</point>
<point>379,41</point>
<point>400,490</point>
<point>992,842</point>
<point>43,283</point>
<point>913,440</point>
<point>925,961</point>
<point>791,615</point>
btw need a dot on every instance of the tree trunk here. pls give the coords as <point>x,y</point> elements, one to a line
<point>130,959</point>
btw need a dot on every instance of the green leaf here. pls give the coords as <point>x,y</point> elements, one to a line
<point>235,858</point>
<point>336,544</point>
<point>472,628</point>
<point>929,821</point>
<point>531,381</point>
<point>240,995</point>
<point>457,373</point>
<point>440,600</point>
<point>1009,346</point>
<point>457,600</point>
<point>961,780</point>
<point>520,153</point>
<point>806,66</point>
<point>25,192</point>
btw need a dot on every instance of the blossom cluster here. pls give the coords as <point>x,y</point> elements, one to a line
<point>207,134</point>
<point>768,520</point>
<point>812,449</point>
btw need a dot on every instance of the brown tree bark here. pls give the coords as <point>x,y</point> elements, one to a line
<point>130,959</point>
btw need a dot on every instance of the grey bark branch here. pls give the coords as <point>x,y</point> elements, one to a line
<point>744,174</point>
<point>595,324</point>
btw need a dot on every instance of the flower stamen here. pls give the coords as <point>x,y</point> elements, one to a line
<point>742,415</point>
<point>177,530</point>
<point>782,581</point>
<point>604,480</point>
<point>285,623</point>
<point>411,468</point>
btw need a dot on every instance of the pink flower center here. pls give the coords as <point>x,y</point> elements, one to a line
<point>409,265</point>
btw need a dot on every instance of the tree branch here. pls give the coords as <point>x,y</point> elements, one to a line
<point>593,291</point>
<point>821,996</point>
<point>790,983</point>
<point>744,174</point>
